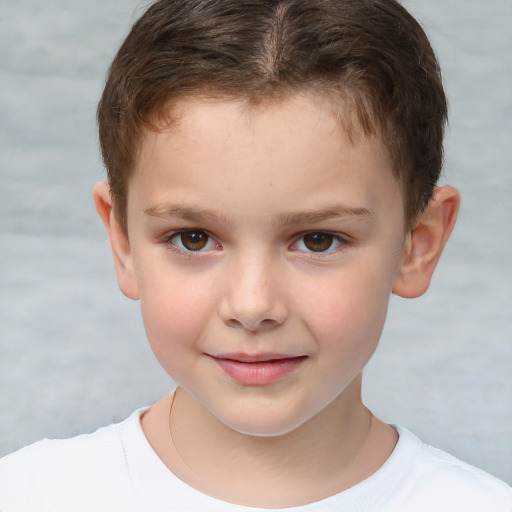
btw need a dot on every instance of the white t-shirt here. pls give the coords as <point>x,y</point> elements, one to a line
<point>115,469</point>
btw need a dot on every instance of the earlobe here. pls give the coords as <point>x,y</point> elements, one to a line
<point>121,251</point>
<point>426,242</point>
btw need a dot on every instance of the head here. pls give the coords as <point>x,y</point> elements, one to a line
<point>272,169</point>
<point>369,58</point>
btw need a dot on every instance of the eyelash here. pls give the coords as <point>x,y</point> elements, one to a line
<point>168,240</point>
<point>341,241</point>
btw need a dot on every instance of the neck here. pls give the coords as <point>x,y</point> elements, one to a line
<point>338,448</point>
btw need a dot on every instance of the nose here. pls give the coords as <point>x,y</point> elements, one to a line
<point>254,298</point>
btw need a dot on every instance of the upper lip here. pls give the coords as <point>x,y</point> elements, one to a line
<point>255,358</point>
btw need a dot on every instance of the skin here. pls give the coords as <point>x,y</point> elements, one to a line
<point>301,243</point>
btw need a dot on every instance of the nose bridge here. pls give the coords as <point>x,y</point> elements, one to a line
<point>254,297</point>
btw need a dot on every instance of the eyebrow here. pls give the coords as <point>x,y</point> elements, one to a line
<point>192,214</point>
<point>313,216</point>
<point>197,214</point>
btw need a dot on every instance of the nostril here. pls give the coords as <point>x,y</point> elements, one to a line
<point>253,308</point>
<point>262,325</point>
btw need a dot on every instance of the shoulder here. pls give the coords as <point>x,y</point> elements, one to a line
<point>55,471</point>
<point>437,479</point>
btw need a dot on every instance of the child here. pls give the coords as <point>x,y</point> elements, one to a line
<point>272,169</point>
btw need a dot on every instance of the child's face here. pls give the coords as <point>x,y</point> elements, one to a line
<point>264,248</point>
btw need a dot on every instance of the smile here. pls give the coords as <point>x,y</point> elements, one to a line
<point>259,369</point>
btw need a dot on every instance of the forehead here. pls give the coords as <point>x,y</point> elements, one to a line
<point>196,119</point>
<point>274,153</point>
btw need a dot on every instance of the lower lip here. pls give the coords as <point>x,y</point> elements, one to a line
<point>259,373</point>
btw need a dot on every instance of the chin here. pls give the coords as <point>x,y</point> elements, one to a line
<point>262,425</point>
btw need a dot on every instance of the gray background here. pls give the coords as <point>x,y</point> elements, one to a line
<point>73,354</point>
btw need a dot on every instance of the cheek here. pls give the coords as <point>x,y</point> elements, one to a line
<point>175,310</point>
<point>348,310</point>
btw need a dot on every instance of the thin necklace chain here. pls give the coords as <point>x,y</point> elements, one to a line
<point>170,433</point>
<point>363,441</point>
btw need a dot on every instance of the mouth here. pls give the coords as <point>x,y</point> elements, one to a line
<point>257,369</point>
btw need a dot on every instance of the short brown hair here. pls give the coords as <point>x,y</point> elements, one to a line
<point>370,54</point>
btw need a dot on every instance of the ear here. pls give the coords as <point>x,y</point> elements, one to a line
<point>123,259</point>
<point>425,243</point>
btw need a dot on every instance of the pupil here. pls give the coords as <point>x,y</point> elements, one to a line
<point>318,242</point>
<point>194,241</point>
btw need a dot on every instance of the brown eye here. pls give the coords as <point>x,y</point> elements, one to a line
<point>318,242</point>
<point>190,240</point>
